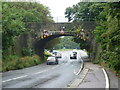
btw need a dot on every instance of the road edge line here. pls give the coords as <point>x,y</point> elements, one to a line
<point>107,86</point>
<point>80,68</point>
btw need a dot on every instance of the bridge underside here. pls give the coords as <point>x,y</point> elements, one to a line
<point>40,44</point>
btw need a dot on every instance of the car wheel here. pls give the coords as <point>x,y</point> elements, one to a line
<point>47,63</point>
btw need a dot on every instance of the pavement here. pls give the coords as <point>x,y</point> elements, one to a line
<point>114,81</point>
<point>92,76</point>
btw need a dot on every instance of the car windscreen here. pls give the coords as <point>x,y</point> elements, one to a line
<point>51,57</point>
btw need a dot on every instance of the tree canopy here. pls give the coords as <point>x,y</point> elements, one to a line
<point>107,31</point>
<point>16,15</point>
<point>67,43</point>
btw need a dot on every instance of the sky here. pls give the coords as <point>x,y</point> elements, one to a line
<point>57,8</point>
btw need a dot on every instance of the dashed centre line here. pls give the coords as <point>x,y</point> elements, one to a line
<point>29,74</point>
<point>41,72</point>
<point>15,78</point>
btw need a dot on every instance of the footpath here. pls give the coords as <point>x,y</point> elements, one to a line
<point>95,76</point>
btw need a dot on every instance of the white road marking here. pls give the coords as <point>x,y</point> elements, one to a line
<point>24,76</point>
<point>15,78</point>
<point>40,72</point>
<point>74,72</point>
<point>106,78</point>
<point>28,75</point>
<point>80,69</point>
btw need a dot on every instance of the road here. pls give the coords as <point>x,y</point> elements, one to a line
<point>56,76</point>
<point>44,76</point>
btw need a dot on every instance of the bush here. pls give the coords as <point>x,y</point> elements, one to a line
<point>27,52</point>
<point>15,62</point>
<point>47,54</point>
<point>96,61</point>
<point>111,58</point>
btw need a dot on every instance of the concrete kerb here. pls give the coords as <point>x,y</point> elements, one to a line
<point>83,72</point>
<point>80,78</point>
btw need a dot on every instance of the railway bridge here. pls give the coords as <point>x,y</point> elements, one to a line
<point>46,32</point>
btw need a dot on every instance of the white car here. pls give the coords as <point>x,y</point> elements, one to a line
<point>52,60</point>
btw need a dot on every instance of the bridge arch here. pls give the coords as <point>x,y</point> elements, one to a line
<point>39,44</point>
<point>39,28</point>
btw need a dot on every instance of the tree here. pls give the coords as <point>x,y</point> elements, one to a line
<point>107,34</point>
<point>107,31</point>
<point>16,15</point>
<point>67,43</point>
<point>84,11</point>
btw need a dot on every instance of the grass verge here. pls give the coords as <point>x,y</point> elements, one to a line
<point>14,62</point>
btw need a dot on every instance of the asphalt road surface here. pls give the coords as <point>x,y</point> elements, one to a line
<point>45,76</point>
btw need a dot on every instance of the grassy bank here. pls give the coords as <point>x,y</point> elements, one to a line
<point>14,62</point>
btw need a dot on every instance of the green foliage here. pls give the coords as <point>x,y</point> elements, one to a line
<point>96,61</point>
<point>67,43</point>
<point>12,24</point>
<point>107,34</point>
<point>16,18</point>
<point>27,52</point>
<point>47,54</point>
<point>107,31</point>
<point>84,11</point>
<point>112,59</point>
<point>14,62</point>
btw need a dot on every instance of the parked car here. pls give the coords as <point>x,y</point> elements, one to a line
<point>73,55</point>
<point>52,60</point>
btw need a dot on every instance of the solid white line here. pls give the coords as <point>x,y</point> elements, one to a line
<point>15,78</point>
<point>80,69</point>
<point>106,78</point>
